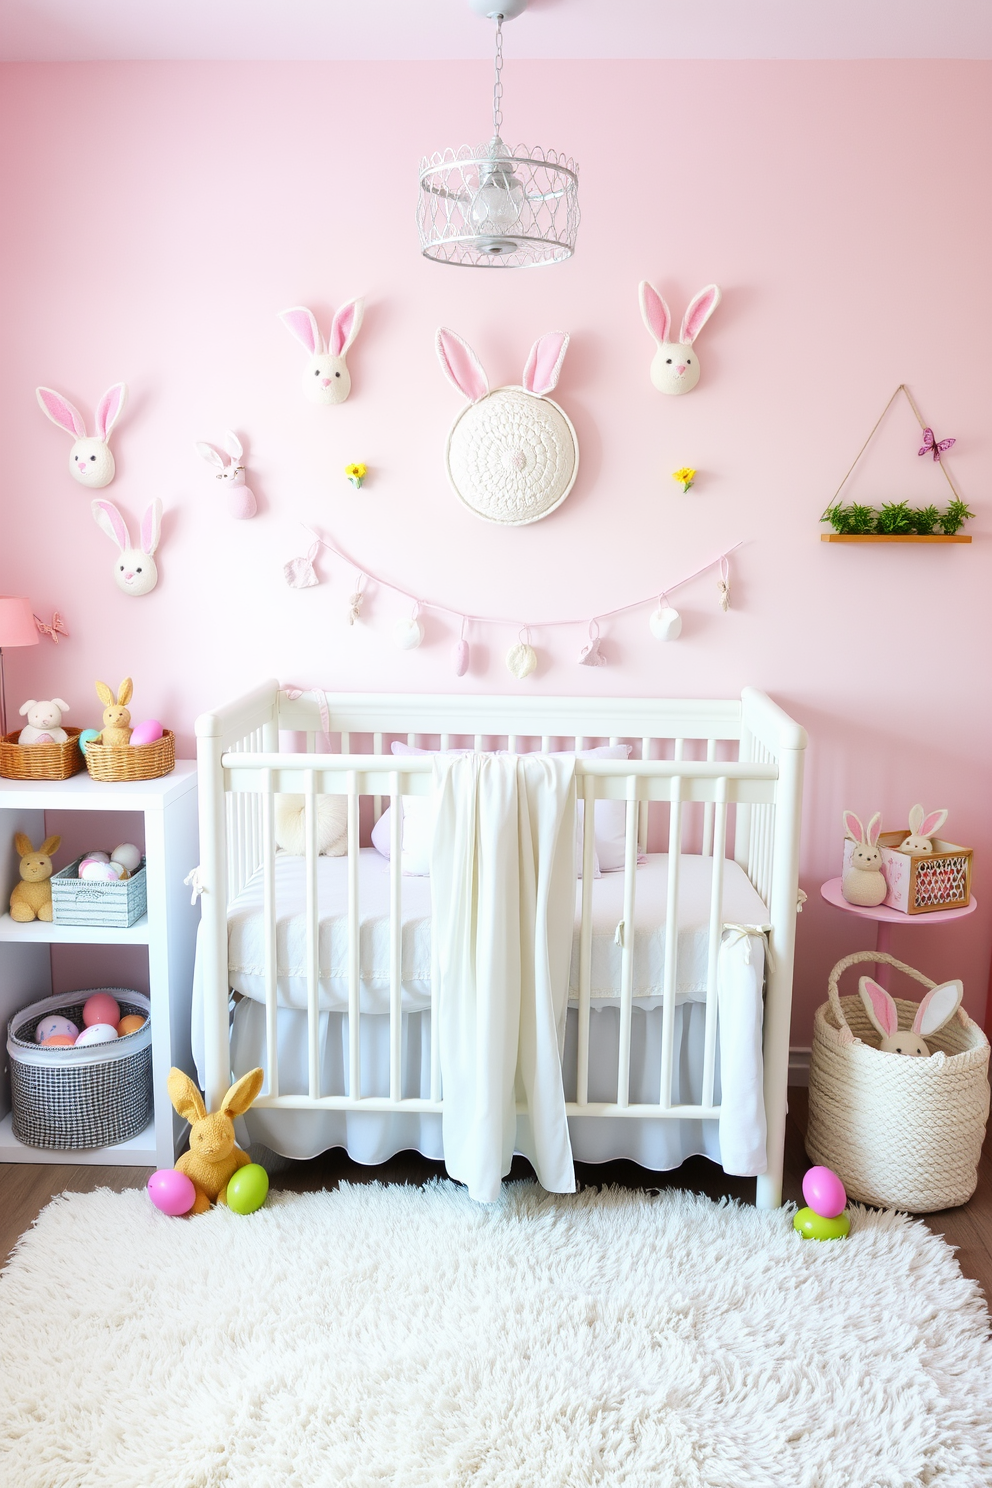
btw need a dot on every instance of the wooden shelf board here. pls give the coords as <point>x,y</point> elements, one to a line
<point>41,932</point>
<point>897,537</point>
<point>139,1152</point>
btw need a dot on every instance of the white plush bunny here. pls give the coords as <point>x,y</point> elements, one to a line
<point>863,882</point>
<point>241,501</point>
<point>326,378</point>
<point>90,459</point>
<point>512,454</point>
<point>675,368</point>
<point>921,829</point>
<point>135,570</point>
<point>44,722</point>
<point>936,1009</point>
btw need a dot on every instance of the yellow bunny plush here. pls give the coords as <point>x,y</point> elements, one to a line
<point>31,899</point>
<point>116,718</point>
<point>213,1157</point>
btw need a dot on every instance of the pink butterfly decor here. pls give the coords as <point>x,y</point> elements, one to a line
<point>932,445</point>
<point>54,630</point>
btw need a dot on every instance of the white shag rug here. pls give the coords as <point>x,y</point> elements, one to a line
<point>408,1337</point>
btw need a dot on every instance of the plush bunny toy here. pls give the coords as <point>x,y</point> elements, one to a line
<point>213,1157</point>
<point>240,500</point>
<point>921,829</point>
<point>936,1009</point>
<point>31,899</point>
<point>44,725</point>
<point>116,732</point>
<point>675,368</point>
<point>863,882</point>
<point>326,378</point>
<point>135,570</point>
<point>90,459</point>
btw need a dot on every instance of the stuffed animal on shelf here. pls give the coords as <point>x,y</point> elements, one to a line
<point>675,368</point>
<point>213,1157</point>
<point>44,722</point>
<point>862,882</point>
<point>90,459</point>
<point>936,1009</point>
<point>31,899</point>
<point>116,731</point>
<point>326,378</point>
<point>921,830</point>
<point>241,501</point>
<point>135,570</point>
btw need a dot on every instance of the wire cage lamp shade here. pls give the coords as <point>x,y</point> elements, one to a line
<point>487,206</point>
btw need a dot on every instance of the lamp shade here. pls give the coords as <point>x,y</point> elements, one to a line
<point>17,627</point>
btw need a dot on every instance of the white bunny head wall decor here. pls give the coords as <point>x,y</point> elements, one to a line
<point>325,378</point>
<point>90,459</point>
<point>936,1009</point>
<point>241,501</point>
<point>675,368</point>
<point>135,570</point>
<point>512,454</point>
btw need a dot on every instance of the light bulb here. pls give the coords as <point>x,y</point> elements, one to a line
<point>497,204</point>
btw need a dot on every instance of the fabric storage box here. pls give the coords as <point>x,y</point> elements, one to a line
<point>94,1096</point>
<point>900,1131</point>
<point>920,883</point>
<point>86,901</point>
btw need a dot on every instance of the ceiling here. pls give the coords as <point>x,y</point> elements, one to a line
<point>401,30</point>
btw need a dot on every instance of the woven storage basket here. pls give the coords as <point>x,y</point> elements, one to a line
<point>132,761</point>
<point>901,1132</point>
<point>68,1098</point>
<point>40,761</point>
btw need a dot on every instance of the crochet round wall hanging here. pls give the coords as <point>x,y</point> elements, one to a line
<point>512,454</point>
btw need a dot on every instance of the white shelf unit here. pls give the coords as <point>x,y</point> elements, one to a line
<point>168,930</point>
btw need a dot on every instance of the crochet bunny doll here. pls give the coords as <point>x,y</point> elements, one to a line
<point>921,829</point>
<point>44,722</point>
<point>90,459</point>
<point>241,501</point>
<point>326,378</point>
<point>213,1157</point>
<point>135,570</point>
<point>31,899</point>
<point>862,882</point>
<point>936,1009</point>
<point>116,718</point>
<point>675,368</point>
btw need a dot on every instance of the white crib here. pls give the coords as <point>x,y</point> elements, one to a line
<point>727,775</point>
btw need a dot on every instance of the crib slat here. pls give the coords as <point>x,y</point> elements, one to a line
<point>585,937</point>
<point>627,953</point>
<point>477,745</point>
<point>269,919</point>
<point>311,741</point>
<point>345,741</point>
<point>445,743</point>
<point>715,936</point>
<point>708,807</point>
<point>545,743</point>
<point>671,943</point>
<point>644,819</point>
<point>354,945</point>
<point>395,938</point>
<point>376,800</point>
<point>313,983</point>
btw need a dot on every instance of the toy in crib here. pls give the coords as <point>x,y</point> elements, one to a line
<point>90,459</point>
<point>31,899</point>
<point>922,828</point>
<point>936,1009</point>
<point>213,1157</point>
<point>825,1217</point>
<point>116,718</point>
<point>44,725</point>
<point>241,502</point>
<point>863,882</point>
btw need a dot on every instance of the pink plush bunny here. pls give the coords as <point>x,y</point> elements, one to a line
<point>135,570</point>
<point>326,378</point>
<point>936,1009</point>
<point>240,500</point>
<point>675,368</point>
<point>921,829</point>
<point>90,459</point>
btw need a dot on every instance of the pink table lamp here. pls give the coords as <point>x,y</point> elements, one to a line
<point>17,628</point>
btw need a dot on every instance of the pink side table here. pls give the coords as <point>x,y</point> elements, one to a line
<point>885,918</point>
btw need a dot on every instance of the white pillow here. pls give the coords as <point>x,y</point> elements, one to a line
<point>332,825</point>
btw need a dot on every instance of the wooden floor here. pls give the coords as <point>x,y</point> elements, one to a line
<point>26,1188</point>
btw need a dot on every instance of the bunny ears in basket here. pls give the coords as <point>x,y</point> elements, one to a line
<point>135,571</point>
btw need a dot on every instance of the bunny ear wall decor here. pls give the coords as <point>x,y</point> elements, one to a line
<point>512,454</point>
<point>675,368</point>
<point>241,502</point>
<point>90,460</point>
<point>325,378</point>
<point>135,570</point>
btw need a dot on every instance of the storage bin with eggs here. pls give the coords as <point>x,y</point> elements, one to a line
<point>91,899</point>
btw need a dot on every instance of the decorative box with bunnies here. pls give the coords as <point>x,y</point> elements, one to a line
<point>913,871</point>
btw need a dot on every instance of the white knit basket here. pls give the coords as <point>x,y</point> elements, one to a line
<point>902,1132</point>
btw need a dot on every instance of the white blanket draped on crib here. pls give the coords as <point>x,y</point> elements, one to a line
<point>503,881</point>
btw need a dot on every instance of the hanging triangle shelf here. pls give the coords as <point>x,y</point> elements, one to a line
<point>896,522</point>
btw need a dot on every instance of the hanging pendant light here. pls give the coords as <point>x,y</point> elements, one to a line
<point>488,207</point>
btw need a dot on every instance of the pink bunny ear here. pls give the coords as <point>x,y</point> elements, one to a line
<point>300,323</point>
<point>873,829</point>
<point>233,445</point>
<point>460,365</point>
<point>701,307</point>
<point>210,455</point>
<point>932,823</point>
<point>543,366</point>
<point>345,326</point>
<point>879,1006</point>
<point>939,1005</point>
<point>110,409</point>
<point>110,521</point>
<point>61,412</point>
<point>853,827</point>
<point>151,527</point>
<point>657,316</point>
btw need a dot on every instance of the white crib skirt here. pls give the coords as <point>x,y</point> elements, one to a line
<point>373,1137</point>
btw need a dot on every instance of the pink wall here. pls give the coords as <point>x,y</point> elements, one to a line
<point>165,212</point>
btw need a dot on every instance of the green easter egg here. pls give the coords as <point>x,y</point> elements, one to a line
<point>247,1190</point>
<point>813,1226</point>
<point>87,736</point>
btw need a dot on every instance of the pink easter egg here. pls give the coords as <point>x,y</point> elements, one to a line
<point>147,732</point>
<point>54,1025</point>
<point>171,1191</point>
<point>824,1192</point>
<point>101,1008</point>
<point>97,1033</point>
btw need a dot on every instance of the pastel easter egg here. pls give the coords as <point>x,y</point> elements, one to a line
<point>55,1024</point>
<point>58,1041</point>
<point>92,868</point>
<point>101,1008</point>
<point>409,634</point>
<point>521,660</point>
<point>86,738</point>
<point>246,1191</point>
<point>147,732</point>
<point>824,1192</point>
<point>127,855</point>
<point>665,623</point>
<point>130,1024</point>
<point>171,1191</point>
<point>97,1033</point>
<point>813,1226</point>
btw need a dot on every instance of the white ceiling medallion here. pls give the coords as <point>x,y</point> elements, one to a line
<point>486,206</point>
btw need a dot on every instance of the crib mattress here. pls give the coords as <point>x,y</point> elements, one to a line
<point>246,933</point>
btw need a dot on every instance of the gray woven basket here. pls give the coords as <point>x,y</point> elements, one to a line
<point>900,1132</point>
<point>93,1096</point>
